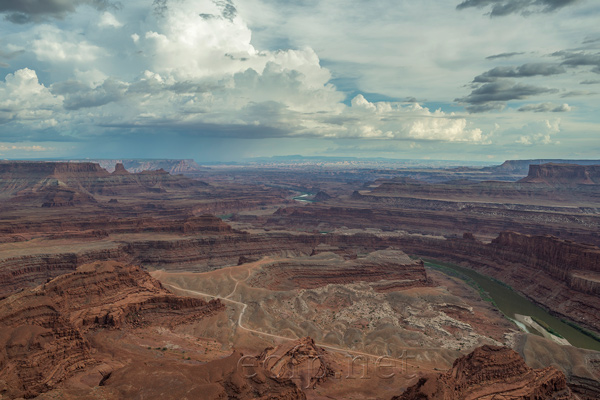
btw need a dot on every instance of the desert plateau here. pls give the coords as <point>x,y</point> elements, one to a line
<point>284,283</point>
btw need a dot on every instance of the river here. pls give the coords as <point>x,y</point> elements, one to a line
<point>510,303</point>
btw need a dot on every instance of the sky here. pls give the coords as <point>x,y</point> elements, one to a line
<point>224,80</point>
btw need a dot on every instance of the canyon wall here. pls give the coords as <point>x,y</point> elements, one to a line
<point>43,337</point>
<point>557,274</point>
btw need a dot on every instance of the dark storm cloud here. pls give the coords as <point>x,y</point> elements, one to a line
<point>579,59</point>
<point>525,70</point>
<point>485,107</point>
<point>504,55</point>
<point>525,7</point>
<point>590,82</point>
<point>491,96</point>
<point>546,107</point>
<point>25,11</point>
<point>77,95</point>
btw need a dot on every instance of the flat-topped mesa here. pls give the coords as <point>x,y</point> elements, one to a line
<point>491,372</point>
<point>33,169</point>
<point>563,174</point>
<point>23,178</point>
<point>521,167</point>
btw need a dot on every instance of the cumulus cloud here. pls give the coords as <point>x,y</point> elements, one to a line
<point>525,70</point>
<point>203,77</point>
<point>25,11</point>
<point>387,120</point>
<point>546,107</point>
<point>539,133</point>
<point>109,20</point>
<point>56,46</point>
<point>494,95</point>
<point>23,99</point>
<point>500,8</point>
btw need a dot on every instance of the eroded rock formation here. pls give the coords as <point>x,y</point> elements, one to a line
<point>43,336</point>
<point>300,360</point>
<point>28,178</point>
<point>491,372</point>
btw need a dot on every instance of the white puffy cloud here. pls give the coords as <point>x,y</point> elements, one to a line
<point>56,46</point>
<point>23,99</point>
<point>200,74</point>
<point>109,20</point>
<point>397,121</point>
<point>540,133</point>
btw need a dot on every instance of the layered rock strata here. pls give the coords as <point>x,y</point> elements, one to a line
<point>43,337</point>
<point>491,372</point>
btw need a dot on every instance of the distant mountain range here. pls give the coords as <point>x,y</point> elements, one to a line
<point>174,167</point>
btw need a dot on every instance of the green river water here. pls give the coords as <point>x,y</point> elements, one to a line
<point>510,303</point>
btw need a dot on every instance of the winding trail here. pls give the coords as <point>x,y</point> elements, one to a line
<point>271,335</point>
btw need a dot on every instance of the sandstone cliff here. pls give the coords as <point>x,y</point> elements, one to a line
<point>43,337</point>
<point>28,178</point>
<point>563,174</point>
<point>577,264</point>
<point>491,372</point>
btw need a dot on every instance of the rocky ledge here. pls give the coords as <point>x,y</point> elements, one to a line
<point>491,372</point>
<point>43,336</point>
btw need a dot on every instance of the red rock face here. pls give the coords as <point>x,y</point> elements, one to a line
<point>387,270</point>
<point>25,178</point>
<point>10,169</point>
<point>566,260</point>
<point>563,174</point>
<point>43,336</point>
<point>491,372</point>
